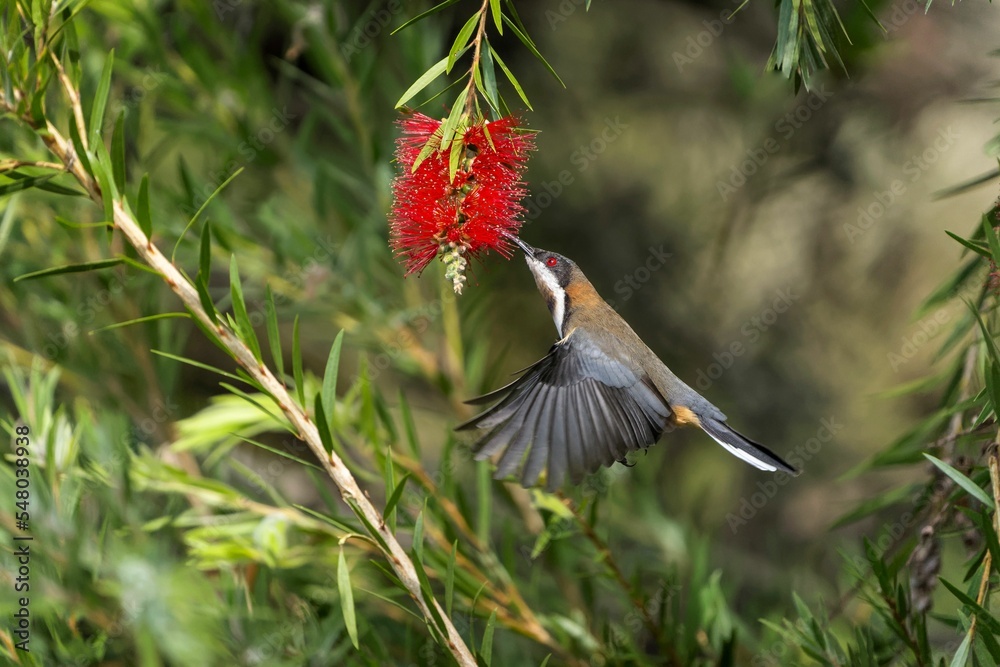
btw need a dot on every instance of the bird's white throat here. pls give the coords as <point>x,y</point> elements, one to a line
<point>550,289</point>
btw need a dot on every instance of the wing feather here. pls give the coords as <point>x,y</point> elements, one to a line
<point>570,413</point>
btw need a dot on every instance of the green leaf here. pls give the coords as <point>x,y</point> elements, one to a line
<point>418,535</point>
<point>279,452</point>
<point>397,493</point>
<point>981,249</point>
<point>461,41</point>
<point>118,152</point>
<point>498,14</point>
<point>961,656</point>
<point>201,286</point>
<point>425,80</point>
<point>489,79</point>
<point>243,325</point>
<point>322,424</point>
<point>81,152</point>
<point>531,47</point>
<point>46,184</point>
<point>408,426</point>
<point>297,375</point>
<point>329,390</point>
<point>274,333</point>
<point>449,579</point>
<point>72,268</point>
<point>433,10</point>
<point>105,180</point>
<point>984,615</point>
<point>511,78</point>
<point>140,320</point>
<point>205,254</point>
<point>988,177</point>
<point>991,238</point>
<point>142,208</point>
<point>24,183</point>
<point>484,500</point>
<point>347,598</point>
<point>971,487</point>
<point>197,364</point>
<point>486,649</point>
<point>100,101</point>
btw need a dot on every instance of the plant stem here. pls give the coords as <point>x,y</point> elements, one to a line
<point>125,222</point>
<point>477,47</point>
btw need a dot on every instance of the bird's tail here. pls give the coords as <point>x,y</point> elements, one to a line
<point>744,448</point>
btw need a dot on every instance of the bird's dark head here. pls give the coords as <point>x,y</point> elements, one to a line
<point>555,276</point>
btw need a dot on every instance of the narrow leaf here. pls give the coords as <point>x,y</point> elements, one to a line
<point>511,78</point>
<point>205,254</point>
<point>329,390</point>
<point>486,649</point>
<point>449,579</point>
<point>297,376</point>
<point>397,493</point>
<point>20,184</point>
<point>425,80</point>
<point>971,487</point>
<point>347,598</point>
<point>531,47</point>
<point>322,425</point>
<point>977,248</point>
<point>240,310</point>
<point>497,15</point>
<point>201,286</point>
<point>118,152</point>
<point>72,268</point>
<point>100,101</point>
<point>991,238</point>
<point>433,10</point>
<point>274,333</point>
<point>461,40</point>
<point>142,208</point>
<point>140,320</point>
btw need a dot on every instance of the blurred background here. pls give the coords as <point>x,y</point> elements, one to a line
<point>773,246</point>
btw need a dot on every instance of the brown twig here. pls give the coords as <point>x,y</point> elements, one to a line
<point>477,45</point>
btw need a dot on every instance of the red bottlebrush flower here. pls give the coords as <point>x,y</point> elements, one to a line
<point>461,216</point>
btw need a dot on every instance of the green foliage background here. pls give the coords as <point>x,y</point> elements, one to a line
<point>174,521</point>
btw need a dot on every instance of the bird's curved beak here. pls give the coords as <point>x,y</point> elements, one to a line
<point>528,250</point>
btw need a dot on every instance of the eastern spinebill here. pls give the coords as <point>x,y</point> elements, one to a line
<point>598,394</point>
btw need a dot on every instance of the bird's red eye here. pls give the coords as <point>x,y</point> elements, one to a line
<point>551,261</point>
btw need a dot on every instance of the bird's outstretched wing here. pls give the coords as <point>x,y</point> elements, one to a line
<point>572,411</point>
